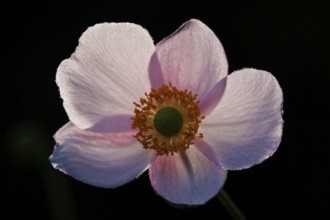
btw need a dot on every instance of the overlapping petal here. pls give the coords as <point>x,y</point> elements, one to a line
<point>101,159</point>
<point>188,178</point>
<point>213,97</point>
<point>191,58</point>
<point>245,128</point>
<point>107,72</point>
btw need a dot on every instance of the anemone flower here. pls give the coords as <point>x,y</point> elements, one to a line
<point>171,109</point>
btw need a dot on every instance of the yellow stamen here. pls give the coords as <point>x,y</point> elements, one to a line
<point>167,96</point>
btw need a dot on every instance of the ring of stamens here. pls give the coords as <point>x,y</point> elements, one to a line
<point>167,96</point>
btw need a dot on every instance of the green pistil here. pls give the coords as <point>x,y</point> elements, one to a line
<point>168,121</point>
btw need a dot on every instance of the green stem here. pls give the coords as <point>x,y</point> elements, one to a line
<point>229,204</point>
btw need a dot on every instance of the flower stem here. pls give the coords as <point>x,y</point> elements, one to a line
<point>229,204</point>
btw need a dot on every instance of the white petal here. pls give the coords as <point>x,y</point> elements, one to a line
<point>107,72</point>
<point>101,159</point>
<point>188,178</point>
<point>246,126</point>
<point>191,58</point>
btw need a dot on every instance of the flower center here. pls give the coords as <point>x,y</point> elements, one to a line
<point>167,120</point>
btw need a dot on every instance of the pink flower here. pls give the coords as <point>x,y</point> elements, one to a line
<point>169,108</point>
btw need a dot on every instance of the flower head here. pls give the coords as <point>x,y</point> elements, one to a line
<point>169,108</point>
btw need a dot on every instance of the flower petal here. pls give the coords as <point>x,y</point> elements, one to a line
<point>115,123</point>
<point>101,159</point>
<point>191,58</point>
<point>210,101</point>
<point>188,178</point>
<point>246,126</point>
<point>107,72</point>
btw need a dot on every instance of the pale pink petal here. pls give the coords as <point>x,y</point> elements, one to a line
<point>107,72</point>
<point>188,178</point>
<point>191,58</point>
<point>114,123</point>
<point>101,159</point>
<point>155,72</point>
<point>207,150</point>
<point>210,101</point>
<point>245,128</point>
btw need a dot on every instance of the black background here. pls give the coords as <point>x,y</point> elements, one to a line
<point>289,39</point>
